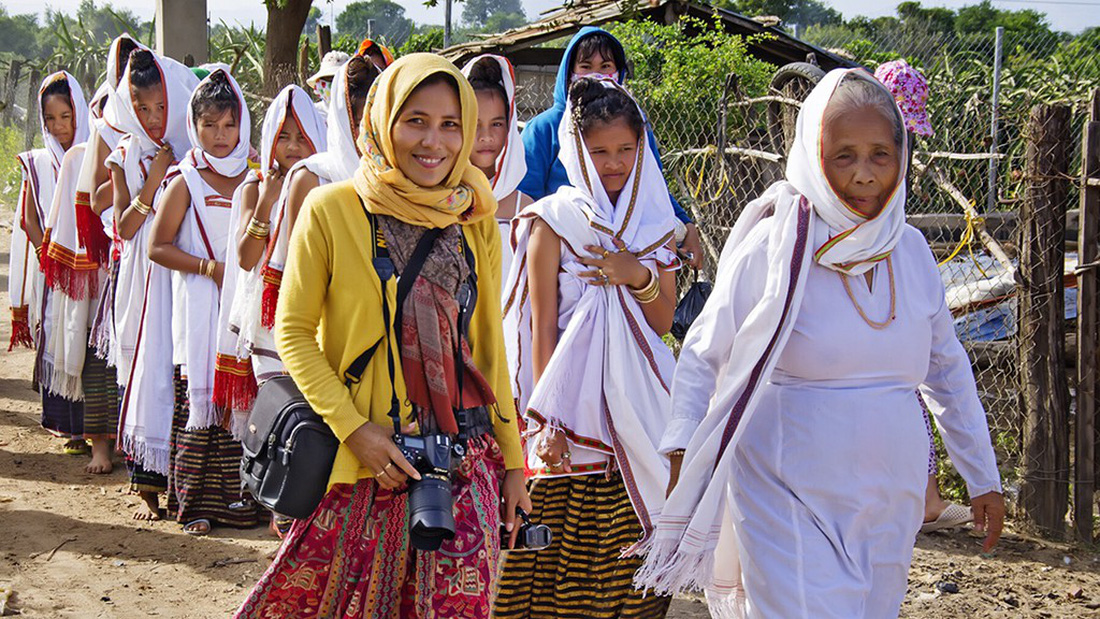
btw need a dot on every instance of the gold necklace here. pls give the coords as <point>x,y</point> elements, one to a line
<point>893,299</point>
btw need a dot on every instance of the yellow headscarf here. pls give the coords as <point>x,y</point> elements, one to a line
<point>465,195</point>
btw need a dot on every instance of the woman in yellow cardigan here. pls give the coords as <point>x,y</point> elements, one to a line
<point>354,556</point>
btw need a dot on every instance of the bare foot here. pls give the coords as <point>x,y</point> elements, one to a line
<point>150,507</point>
<point>101,458</point>
<point>75,447</point>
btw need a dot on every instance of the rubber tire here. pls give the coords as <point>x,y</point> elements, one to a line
<point>808,75</point>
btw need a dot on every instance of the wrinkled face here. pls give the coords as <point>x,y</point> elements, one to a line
<point>595,65</point>
<point>291,146</point>
<point>492,131</point>
<point>861,159</point>
<point>57,114</point>
<point>149,105</point>
<point>218,132</point>
<point>427,136</point>
<point>613,148</point>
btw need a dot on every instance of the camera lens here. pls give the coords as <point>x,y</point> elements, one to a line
<point>431,519</point>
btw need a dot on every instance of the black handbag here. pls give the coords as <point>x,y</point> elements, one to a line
<point>687,310</point>
<point>288,450</point>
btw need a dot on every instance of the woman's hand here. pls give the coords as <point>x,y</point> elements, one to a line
<point>675,461</point>
<point>614,268</point>
<point>219,273</point>
<point>161,161</point>
<point>270,188</point>
<point>373,446</point>
<point>513,491</point>
<point>989,516</point>
<point>553,449</point>
<point>691,249</point>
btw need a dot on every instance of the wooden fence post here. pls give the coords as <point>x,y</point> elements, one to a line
<point>1044,493</point>
<point>9,91</point>
<point>31,126</point>
<point>303,61</point>
<point>1088,326</point>
<point>324,40</point>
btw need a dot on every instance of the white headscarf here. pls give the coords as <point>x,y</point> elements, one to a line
<point>80,116</point>
<point>241,291</point>
<point>205,233</point>
<point>100,101</point>
<point>511,164</point>
<point>177,83</point>
<point>235,162</point>
<point>607,379</point>
<point>810,223</point>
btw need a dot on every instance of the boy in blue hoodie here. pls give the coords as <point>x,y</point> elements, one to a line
<point>592,51</point>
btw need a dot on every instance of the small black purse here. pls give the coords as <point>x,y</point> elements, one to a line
<point>288,450</point>
<point>689,307</point>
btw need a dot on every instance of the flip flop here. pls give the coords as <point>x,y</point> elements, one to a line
<point>953,516</point>
<point>197,528</point>
<point>74,448</point>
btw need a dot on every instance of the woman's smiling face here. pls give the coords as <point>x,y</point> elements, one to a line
<point>427,136</point>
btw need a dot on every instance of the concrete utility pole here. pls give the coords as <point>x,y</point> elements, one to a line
<point>181,29</point>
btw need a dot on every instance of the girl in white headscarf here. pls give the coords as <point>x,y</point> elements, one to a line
<point>590,293</point>
<point>75,265</point>
<point>150,107</point>
<point>292,131</point>
<point>63,113</point>
<point>498,151</point>
<point>189,236</point>
<point>337,163</point>
<point>802,486</point>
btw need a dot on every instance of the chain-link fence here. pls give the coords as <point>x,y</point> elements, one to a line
<point>968,182</point>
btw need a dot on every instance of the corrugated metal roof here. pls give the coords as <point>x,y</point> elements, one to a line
<point>779,48</point>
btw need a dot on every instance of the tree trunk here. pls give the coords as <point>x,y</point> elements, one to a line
<point>284,27</point>
<point>1044,493</point>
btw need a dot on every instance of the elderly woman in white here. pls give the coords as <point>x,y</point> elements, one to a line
<point>803,447</point>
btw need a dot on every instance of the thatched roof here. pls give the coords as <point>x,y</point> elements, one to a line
<point>779,49</point>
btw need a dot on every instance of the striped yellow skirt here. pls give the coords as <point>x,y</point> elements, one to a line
<point>581,574</point>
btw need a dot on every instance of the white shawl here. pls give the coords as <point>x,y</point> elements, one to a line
<point>810,223</point>
<point>204,233</point>
<point>66,266</point>
<point>605,385</point>
<point>25,279</point>
<point>133,155</point>
<point>242,292</point>
<point>337,163</point>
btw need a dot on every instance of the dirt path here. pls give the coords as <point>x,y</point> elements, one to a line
<point>69,549</point>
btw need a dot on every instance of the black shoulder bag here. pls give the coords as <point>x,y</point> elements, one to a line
<point>288,448</point>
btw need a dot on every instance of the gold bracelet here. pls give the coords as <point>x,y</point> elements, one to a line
<point>202,267</point>
<point>211,266</point>
<point>258,229</point>
<point>140,206</point>
<point>649,292</point>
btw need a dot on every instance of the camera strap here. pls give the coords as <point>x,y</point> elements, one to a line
<point>385,269</point>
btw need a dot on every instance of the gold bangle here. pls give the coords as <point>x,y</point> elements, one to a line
<point>649,292</point>
<point>258,229</point>
<point>140,206</point>
<point>211,266</point>
<point>202,267</point>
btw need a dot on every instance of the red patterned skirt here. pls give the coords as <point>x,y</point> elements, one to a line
<point>352,556</point>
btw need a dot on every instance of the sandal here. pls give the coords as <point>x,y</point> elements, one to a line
<point>197,528</point>
<point>76,447</point>
<point>954,516</point>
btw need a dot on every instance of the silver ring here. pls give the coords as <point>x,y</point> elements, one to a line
<point>554,466</point>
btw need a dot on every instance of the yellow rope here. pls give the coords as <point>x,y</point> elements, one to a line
<point>967,240</point>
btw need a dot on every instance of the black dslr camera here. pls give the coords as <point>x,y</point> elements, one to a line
<point>531,536</point>
<point>431,511</point>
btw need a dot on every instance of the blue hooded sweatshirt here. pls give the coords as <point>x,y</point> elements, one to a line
<point>540,137</point>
